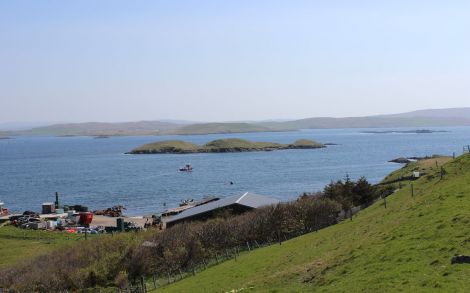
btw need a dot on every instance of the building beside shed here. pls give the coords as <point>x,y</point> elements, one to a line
<point>237,204</point>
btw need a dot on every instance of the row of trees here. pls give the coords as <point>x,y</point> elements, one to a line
<point>110,261</point>
<point>358,193</point>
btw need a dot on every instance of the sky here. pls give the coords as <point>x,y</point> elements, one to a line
<point>77,61</point>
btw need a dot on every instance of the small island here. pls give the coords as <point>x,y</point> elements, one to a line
<point>416,131</point>
<point>228,145</point>
<point>101,137</point>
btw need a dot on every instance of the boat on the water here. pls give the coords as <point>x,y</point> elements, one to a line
<point>186,168</point>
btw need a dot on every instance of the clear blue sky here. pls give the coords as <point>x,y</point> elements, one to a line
<point>230,60</point>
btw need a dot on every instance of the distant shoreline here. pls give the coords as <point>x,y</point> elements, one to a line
<point>416,131</point>
<point>449,117</point>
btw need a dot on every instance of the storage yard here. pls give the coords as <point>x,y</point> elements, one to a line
<point>74,219</point>
<point>78,219</point>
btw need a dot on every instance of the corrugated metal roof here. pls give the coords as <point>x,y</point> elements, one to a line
<point>247,199</point>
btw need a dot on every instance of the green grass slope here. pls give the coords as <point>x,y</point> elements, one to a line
<point>405,247</point>
<point>17,244</point>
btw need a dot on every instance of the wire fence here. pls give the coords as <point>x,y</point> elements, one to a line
<point>161,279</point>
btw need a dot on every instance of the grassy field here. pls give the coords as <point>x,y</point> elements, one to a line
<point>17,244</point>
<point>405,246</point>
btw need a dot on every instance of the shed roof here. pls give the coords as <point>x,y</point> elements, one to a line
<point>247,199</point>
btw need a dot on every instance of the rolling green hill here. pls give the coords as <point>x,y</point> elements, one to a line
<point>209,128</point>
<point>406,246</point>
<point>101,128</point>
<point>421,118</point>
<point>365,122</point>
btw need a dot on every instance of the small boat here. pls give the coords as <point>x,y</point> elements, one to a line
<point>186,168</point>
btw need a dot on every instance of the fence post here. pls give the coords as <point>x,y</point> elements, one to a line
<point>412,191</point>
<point>181,274</point>
<point>168,277</point>
<point>142,284</point>
<point>154,281</point>
<point>385,202</point>
<point>248,245</point>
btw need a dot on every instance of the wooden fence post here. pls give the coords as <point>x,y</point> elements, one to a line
<point>181,274</point>
<point>154,281</point>
<point>248,245</point>
<point>142,284</point>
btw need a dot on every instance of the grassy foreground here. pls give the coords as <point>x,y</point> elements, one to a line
<point>406,246</point>
<point>17,244</point>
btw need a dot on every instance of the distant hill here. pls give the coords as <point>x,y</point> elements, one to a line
<point>421,118</point>
<point>101,128</point>
<point>449,113</point>
<point>208,128</point>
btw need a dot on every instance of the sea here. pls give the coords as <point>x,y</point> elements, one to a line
<point>97,173</point>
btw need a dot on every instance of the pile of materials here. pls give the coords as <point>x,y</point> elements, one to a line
<point>115,211</point>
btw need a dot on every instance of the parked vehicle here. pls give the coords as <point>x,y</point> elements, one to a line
<point>3,210</point>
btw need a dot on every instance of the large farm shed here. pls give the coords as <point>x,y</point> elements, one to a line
<point>236,204</point>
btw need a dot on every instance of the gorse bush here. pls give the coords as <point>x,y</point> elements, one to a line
<point>111,260</point>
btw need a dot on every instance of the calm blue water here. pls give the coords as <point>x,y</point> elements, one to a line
<point>97,173</point>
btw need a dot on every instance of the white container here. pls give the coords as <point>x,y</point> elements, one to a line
<point>51,225</point>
